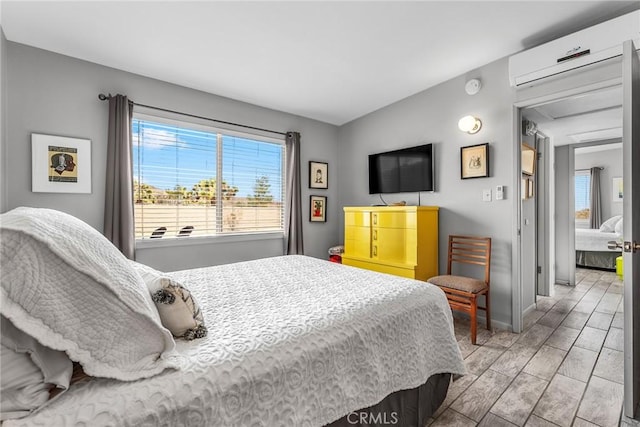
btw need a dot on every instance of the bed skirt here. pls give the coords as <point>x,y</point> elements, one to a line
<point>600,260</point>
<point>404,408</point>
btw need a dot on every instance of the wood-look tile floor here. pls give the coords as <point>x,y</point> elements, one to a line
<point>565,369</point>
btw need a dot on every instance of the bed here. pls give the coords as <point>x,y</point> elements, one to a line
<point>591,249</point>
<point>291,340</point>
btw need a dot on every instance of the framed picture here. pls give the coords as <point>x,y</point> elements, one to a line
<point>60,164</point>
<point>474,161</point>
<point>528,159</point>
<point>617,188</point>
<point>318,175</point>
<point>318,209</point>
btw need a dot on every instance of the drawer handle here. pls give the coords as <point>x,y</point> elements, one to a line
<point>375,251</point>
<point>375,219</point>
<point>375,234</point>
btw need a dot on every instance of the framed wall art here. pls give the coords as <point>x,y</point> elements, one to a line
<point>528,160</point>
<point>616,189</point>
<point>60,164</point>
<point>474,161</point>
<point>318,175</point>
<point>318,209</point>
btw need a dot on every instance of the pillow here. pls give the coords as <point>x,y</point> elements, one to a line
<point>69,288</point>
<point>618,229</point>
<point>178,309</point>
<point>29,371</point>
<point>609,225</point>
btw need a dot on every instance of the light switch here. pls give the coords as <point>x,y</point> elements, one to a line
<point>499,192</point>
<point>486,195</point>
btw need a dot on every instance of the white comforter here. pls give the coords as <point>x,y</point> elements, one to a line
<point>293,341</point>
<point>588,239</point>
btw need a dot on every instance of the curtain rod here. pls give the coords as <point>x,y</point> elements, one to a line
<point>103,97</point>
<point>588,169</point>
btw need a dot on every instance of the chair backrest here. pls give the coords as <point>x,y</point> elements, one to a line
<point>470,250</point>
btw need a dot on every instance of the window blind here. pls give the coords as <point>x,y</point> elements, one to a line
<point>196,181</point>
<point>582,195</point>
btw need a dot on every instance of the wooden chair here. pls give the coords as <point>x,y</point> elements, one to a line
<point>462,291</point>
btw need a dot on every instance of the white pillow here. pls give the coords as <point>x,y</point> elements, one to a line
<point>618,229</point>
<point>67,286</point>
<point>609,225</point>
<point>178,309</point>
<point>22,385</point>
<point>29,371</point>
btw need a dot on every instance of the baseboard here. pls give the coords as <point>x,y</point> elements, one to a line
<point>482,320</point>
<point>529,309</point>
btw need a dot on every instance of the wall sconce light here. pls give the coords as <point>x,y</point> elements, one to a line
<point>469,124</point>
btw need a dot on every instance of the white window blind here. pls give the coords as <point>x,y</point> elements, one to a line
<point>582,196</point>
<point>191,180</point>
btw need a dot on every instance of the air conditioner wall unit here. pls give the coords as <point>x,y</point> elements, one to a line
<point>583,48</point>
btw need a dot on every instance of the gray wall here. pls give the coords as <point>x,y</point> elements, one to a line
<point>564,181</point>
<point>432,116</point>
<point>55,94</point>
<point>3,121</point>
<point>611,160</point>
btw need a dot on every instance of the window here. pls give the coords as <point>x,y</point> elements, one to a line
<point>582,197</point>
<point>192,180</point>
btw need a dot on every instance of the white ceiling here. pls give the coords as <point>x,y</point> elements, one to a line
<point>589,117</point>
<point>332,61</point>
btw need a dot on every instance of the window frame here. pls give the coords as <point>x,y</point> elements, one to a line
<point>171,119</point>
<point>581,223</point>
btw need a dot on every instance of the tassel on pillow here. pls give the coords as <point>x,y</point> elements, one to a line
<point>179,312</point>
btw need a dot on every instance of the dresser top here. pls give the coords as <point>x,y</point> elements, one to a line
<point>389,208</point>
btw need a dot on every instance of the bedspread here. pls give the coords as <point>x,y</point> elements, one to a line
<point>293,341</point>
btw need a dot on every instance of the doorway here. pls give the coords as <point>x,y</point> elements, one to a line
<point>623,72</point>
<point>581,138</point>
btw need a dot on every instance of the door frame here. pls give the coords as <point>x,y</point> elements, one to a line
<point>555,93</point>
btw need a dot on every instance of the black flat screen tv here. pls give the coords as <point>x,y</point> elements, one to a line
<point>402,171</point>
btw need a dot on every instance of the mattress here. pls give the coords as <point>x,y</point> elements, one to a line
<point>292,341</point>
<point>588,239</point>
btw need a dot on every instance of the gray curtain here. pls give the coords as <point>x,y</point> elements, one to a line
<point>595,207</point>
<point>118,206</point>
<point>293,205</point>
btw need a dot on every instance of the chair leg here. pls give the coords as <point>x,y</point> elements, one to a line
<point>474,320</point>
<point>488,311</point>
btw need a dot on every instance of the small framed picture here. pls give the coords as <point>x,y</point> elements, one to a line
<point>616,189</point>
<point>60,164</point>
<point>474,161</point>
<point>528,160</point>
<point>318,209</point>
<point>318,175</point>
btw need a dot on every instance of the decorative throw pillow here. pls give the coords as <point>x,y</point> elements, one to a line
<point>609,225</point>
<point>178,309</point>
<point>73,291</point>
<point>618,229</point>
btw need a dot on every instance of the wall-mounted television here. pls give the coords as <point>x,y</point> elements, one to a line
<point>402,171</point>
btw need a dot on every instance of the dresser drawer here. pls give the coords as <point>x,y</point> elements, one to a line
<point>409,271</point>
<point>357,219</point>
<point>394,219</point>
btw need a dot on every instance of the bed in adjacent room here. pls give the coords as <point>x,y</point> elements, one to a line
<point>591,245</point>
<point>291,340</point>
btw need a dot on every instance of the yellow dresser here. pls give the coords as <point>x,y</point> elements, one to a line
<point>400,240</point>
